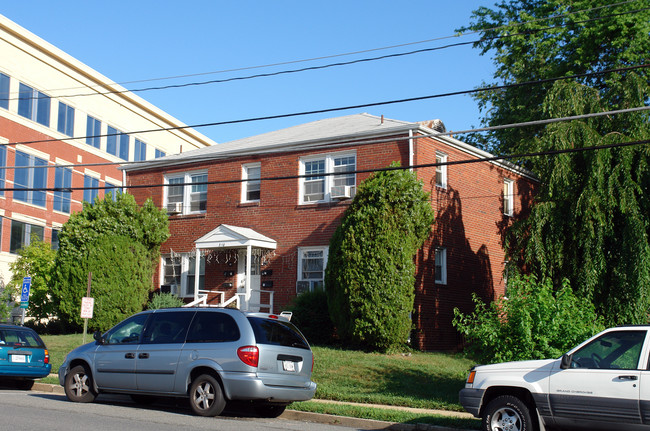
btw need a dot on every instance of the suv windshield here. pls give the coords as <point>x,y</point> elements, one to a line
<point>19,338</point>
<point>278,332</point>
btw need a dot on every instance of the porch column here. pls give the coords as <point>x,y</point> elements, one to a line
<point>247,286</point>
<point>197,266</point>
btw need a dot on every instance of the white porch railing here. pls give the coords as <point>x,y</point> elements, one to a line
<point>238,299</point>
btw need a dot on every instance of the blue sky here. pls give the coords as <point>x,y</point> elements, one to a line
<point>145,39</point>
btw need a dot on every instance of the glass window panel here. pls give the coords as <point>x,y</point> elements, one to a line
<point>43,109</point>
<point>3,163</point>
<point>93,131</point>
<point>90,193</point>
<point>62,180</point>
<point>4,91</point>
<point>25,101</point>
<point>140,151</point>
<point>174,193</point>
<point>253,174</point>
<point>111,141</point>
<point>159,153</point>
<point>124,146</point>
<point>65,123</point>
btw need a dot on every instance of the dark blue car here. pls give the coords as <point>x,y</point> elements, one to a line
<point>23,355</point>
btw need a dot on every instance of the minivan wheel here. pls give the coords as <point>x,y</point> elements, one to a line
<point>206,396</point>
<point>268,410</point>
<point>507,413</point>
<point>79,385</point>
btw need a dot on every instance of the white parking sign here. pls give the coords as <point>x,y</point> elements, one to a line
<point>87,305</point>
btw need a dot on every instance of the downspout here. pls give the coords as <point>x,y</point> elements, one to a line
<point>411,150</point>
<point>197,267</point>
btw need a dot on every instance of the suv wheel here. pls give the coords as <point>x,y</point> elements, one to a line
<point>206,396</point>
<point>269,410</point>
<point>507,413</point>
<point>79,385</point>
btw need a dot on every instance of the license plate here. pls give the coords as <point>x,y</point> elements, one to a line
<point>19,358</point>
<point>289,366</point>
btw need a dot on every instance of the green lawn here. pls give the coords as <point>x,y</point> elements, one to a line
<point>423,380</point>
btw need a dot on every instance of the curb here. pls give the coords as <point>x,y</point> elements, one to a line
<point>364,424</point>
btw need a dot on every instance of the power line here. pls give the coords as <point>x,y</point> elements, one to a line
<point>460,34</point>
<point>326,66</point>
<point>327,110</point>
<point>361,141</point>
<point>357,171</point>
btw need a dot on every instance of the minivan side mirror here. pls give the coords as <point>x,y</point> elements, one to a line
<point>97,335</point>
<point>566,361</point>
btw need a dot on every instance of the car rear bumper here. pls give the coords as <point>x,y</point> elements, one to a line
<point>470,399</point>
<point>29,372</point>
<point>247,386</point>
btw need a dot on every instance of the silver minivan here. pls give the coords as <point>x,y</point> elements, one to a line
<point>209,355</point>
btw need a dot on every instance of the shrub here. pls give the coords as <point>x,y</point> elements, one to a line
<point>164,300</point>
<point>311,316</point>
<point>370,274</point>
<point>533,322</point>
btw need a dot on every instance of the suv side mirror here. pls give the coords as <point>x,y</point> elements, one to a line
<point>97,335</point>
<point>566,361</point>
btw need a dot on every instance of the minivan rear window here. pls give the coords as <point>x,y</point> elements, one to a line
<point>277,332</point>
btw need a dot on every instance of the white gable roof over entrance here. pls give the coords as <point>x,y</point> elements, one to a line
<point>226,236</point>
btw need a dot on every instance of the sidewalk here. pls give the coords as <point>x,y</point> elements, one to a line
<point>361,424</point>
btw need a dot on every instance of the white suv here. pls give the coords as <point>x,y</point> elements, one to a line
<point>604,383</point>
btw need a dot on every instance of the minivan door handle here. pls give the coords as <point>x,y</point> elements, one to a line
<point>130,355</point>
<point>628,377</point>
<point>143,355</point>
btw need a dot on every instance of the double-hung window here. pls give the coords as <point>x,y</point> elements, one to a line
<point>65,123</point>
<point>508,198</point>
<point>311,268</point>
<point>34,105</point>
<point>22,235</point>
<point>30,179</point>
<point>179,273</point>
<point>4,91</point>
<point>441,265</point>
<point>251,173</point>
<point>441,170</point>
<point>93,132</point>
<point>117,143</point>
<point>91,189</point>
<point>186,193</point>
<point>63,184</point>
<point>140,151</point>
<point>325,176</point>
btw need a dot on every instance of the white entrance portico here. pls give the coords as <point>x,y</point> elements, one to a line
<point>249,244</point>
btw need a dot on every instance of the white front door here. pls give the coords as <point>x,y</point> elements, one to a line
<point>255,283</point>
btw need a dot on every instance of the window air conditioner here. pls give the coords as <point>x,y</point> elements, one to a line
<point>175,208</point>
<point>343,192</point>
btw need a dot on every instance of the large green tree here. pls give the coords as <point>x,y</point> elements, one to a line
<point>118,242</point>
<point>591,218</point>
<point>590,221</point>
<point>533,40</point>
<point>370,274</point>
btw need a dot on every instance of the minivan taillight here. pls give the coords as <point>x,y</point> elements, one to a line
<point>249,355</point>
<point>46,360</point>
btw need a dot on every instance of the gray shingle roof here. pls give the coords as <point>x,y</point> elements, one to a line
<point>314,133</point>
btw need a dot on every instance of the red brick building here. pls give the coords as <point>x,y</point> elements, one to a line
<point>253,217</point>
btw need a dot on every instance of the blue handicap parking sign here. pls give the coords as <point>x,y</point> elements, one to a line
<point>24,292</point>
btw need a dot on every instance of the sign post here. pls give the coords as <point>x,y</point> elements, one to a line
<point>87,305</point>
<point>24,297</point>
